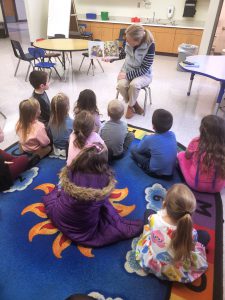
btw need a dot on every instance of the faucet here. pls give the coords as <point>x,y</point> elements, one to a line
<point>153,18</point>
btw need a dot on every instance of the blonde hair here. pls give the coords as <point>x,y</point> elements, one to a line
<point>180,203</point>
<point>139,34</point>
<point>27,115</point>
<point>115,109</point>
<point>59,110</point>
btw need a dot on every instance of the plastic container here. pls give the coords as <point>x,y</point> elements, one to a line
<point>135,20</point>
<point>104,15</point>
<point>91,16</point>
<point>185,50</point>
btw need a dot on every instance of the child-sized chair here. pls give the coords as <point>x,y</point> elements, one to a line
<point>39,54</point>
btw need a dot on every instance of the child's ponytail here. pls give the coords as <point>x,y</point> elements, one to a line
<point>83,126</point>
<point>182,240</point>
<point>180,203</point>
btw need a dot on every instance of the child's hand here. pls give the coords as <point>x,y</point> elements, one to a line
<point>8,162</point>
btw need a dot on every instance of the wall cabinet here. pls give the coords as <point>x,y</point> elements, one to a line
<point>167,39</point>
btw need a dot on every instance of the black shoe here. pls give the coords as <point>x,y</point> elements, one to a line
<point>33,160</point>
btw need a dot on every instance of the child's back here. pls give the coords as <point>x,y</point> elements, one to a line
<point>156,153</point>
<point>115,132</point>
<point>60,124</point>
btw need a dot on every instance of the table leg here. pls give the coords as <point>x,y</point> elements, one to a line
<point>190,84</point>
<point>64,61</point>
<point>220,96</point>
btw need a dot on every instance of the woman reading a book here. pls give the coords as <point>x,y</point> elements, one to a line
<point>137,69</point>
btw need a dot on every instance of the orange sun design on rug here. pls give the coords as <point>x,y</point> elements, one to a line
<point>61,242</point>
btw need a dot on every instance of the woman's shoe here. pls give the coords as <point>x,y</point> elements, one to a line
<point>129,113</point>
<point>138,110</point>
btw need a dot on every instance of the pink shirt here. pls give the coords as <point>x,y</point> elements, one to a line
<point>74,151</point>
<point>36,139</point>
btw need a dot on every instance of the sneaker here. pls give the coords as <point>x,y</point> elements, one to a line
<point>129,113</point>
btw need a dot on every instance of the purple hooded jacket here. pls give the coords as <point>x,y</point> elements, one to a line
<point>81,210</point>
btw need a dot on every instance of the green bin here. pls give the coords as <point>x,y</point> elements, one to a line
<point>104,15</point>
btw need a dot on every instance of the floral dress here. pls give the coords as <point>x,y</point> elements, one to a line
<point>155,256</point>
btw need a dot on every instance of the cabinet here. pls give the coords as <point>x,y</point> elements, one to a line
<point>187,36</point>
<point>167,39</point>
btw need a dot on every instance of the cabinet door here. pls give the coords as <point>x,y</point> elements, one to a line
<point>116,30</point>
<point>96,31</point>
<point>107,34</point>
<point>164,39</point>
<point>187,36</point>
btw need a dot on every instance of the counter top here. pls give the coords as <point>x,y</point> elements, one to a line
<point>189,24</point>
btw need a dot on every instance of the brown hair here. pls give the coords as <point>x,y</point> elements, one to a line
<point>59,110</point>
<point>139,34</point>
<point>180,203</point>
<point>86,101</point>
<point>211,148</point>
<point>37,78</point>
<point>162,120</point>
<point>115,109</point>
<point>83,126</point>
<point>92,159</point>
<point>27,114</point>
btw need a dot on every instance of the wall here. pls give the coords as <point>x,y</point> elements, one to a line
<point>1,16</point>
<point>128,8</point>
<point>210,20</point>
<point>20,8</point>
<point>37,18</point>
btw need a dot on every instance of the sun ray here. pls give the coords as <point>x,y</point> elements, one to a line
<point>123,210</point>
<point>45,228</point>
<point>118,194</point>
<point>85,251</point>
<point>45,187</point>
<point>36,208</point>
<point>60,243</point>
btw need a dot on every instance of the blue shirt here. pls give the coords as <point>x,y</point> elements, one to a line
<point>61,136</point>
<point>162,148</point>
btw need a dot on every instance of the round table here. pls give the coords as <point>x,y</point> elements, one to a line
<point>62,45</point>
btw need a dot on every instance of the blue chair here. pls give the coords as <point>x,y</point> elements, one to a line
<point>18,52</point>
<point>39,54</point>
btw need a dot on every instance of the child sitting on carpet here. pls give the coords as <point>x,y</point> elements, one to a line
<point>32,134</point>
<point>39,81</point>
<point>156,153</point>
<point>83,135</point>
<point>87,101</point>
<point>12,166</point>
<point>169,247</point>
<point>60,124</point>
<point>81,209</point>
<point>115,132</point>
<point>203,163</point>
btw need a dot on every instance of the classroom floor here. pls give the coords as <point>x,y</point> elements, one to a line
<point>169,91</point>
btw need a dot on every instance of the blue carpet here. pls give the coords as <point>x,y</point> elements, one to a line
<point>30,270</point>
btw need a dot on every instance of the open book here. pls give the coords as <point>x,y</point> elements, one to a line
<point>109,49</point>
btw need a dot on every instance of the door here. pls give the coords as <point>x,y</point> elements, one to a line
<point>219,41</point>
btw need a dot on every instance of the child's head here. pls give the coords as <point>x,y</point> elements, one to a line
<point>83,126</point>
<point>39,80</point>
<point>180,204</point>
<point>29,110</point>
<point>115,110</point>
<point>86,101</point>
<point>59,110</point>
<point>212,144</point>
<point>92,159</point>
<point>162,120</point>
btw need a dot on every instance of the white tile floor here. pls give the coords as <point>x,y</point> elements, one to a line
<point>169,89</point>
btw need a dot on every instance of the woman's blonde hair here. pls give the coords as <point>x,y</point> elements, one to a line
<point>139,34</point>
<point>59,110</point>
<point>27,114</point>
<point>180,204</point>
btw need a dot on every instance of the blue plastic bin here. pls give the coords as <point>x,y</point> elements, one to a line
<point>91,16</point>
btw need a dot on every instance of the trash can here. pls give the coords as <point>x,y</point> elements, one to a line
<point>185,50</point>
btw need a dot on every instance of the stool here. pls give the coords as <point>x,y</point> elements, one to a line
<point>148,93</point>
<point>85,54</point>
